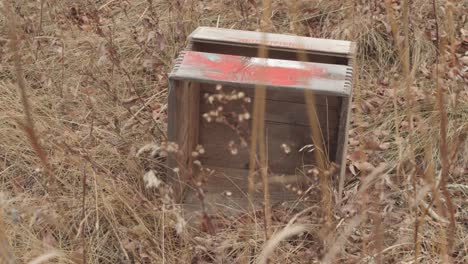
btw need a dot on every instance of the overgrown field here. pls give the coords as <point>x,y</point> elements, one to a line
<point>83,90</point>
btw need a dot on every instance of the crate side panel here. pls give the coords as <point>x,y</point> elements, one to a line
<point>284,142</point>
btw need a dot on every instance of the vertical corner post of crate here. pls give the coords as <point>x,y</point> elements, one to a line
<point>183,127</point>
<point>345,117</point>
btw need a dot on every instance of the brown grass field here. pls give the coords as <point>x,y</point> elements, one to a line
<point>83,102</point>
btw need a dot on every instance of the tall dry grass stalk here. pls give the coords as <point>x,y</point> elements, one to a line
<point>258,129</point>
<point>320,152</point>
<point>444,152</point>
<point>28,124</point>
<point>46,258</point>
<point>274,241</point>
<point>403,50</point>
<point>354,222</point>
<point>394,30</point>
<point>6,253</point>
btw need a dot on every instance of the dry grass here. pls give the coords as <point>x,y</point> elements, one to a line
<point>95,82</point>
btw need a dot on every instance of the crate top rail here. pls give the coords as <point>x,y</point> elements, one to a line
<point>330,47</point>
<point>323,79</point>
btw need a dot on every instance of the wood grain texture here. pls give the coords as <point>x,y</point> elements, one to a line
<point>278,94</point>
<point>342,139</point>
<point>273,53</point>
<point>215,139</point>
<point>183,129</point>
<point>344,130</point>
<point>323,79</point>
<point>234,181</point>
<point>281,41</point>
<point>276,111</point>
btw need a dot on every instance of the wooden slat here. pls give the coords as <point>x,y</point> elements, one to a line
<point>277,111</point>
<point>235,182</point>
<point>215,139</point>
<point>236,37</point>
<point>273,53</point>
<point>183,128</point>
<point>323,79</point>
<point>293,96</point>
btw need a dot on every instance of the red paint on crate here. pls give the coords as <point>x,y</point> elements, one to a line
<point>236,68</point>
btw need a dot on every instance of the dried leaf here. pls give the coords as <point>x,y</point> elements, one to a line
<point>49,240</point>
<point>358,155</point>
<point>384,146</point>
<point>371,144</point>
<point>364,166</point>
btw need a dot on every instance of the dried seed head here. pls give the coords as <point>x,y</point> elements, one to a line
<point>314,171</point>
<point>151,180</point>
<point>180,225</point>
<point>244,116</point>
<point>200,149</point>
<point>195,154</point>
<point>207,117</point>
<point>172,147</point>
<point>211,99</point>
<point>176,170</point>
<point>247,100</point>
<point>241,95</point>
<point>228,193</point>
<point>286,149</point>
<point>243,143</point>
<point>219,87</point>
<point>233,148</point>
<point>197,162</point>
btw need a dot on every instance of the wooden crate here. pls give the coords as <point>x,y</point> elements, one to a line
<point>220,68</point>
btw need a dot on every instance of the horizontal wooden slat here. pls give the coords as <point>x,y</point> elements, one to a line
<point>277,111</point>
<point>293,96</point>
<point>273,53</point>
<point>233,37</point>
<point>215,138</point>
<point>225,192</point>
<point>324,79</point>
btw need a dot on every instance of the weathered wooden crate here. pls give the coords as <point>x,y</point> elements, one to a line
<point>212,80</point>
